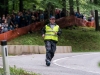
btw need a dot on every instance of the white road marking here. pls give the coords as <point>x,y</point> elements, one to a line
<point>1,66</point>
<point>55,62</point>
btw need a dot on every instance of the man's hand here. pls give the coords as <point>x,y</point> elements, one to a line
<point>43,35</point>
<point>55,33</point>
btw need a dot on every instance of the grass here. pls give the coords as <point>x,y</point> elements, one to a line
<point>99,64</point>
<point>28,39</point>
<point>82,39</point>
<point>17,71</point>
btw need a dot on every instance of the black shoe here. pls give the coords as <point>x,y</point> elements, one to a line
<point>48,62</point>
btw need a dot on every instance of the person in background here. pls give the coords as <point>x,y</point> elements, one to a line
<point>0,20</point>
<point>3,18</point>
<point>4,27</point>
<point>10,28</point>
<point>0,28</point>
<point>50,34</point>
<point>41,16</point>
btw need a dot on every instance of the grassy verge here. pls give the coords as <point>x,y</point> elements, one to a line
<point>17,71</point>
<point>99,64</point>
<point>82,39</point>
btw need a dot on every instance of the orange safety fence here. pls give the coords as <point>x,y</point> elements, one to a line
<point>62,22</point>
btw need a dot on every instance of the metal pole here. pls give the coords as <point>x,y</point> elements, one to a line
<point>5,57</point>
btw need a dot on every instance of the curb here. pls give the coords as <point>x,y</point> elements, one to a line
<point>34,49</point>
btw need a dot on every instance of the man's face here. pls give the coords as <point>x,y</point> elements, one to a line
<point>52,20</point>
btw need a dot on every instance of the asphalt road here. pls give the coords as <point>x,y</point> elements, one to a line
<point>62,64</point>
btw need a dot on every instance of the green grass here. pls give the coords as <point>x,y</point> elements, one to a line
<point>17,71</point>
<point>80,38</point>
<point>99,64</point>
<point>28,39</point>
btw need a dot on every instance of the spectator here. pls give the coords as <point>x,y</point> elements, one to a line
<point>3,18</point>
<point>41,17</point>
<point>0,28</point>
<point>27,19</point>
<point>4,27</point>
<point>10,28</point>
<point>84,18</point>
<point>8,19</point>
<point>91,18</point>
<point>13,20</point>
<point>0,20</point>
<point>22,20</point>
<point>18,19</point>
<point>33,20</point>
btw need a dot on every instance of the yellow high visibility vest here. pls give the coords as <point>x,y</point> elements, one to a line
<point>50,33</point>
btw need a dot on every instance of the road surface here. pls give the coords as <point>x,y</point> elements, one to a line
<point>62,64</point>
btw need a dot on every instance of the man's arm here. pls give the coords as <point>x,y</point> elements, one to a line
<point>43,32</point>
<point>59,32</point>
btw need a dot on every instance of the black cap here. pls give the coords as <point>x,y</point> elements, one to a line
<point>52,17</point>
<point>3,42</point>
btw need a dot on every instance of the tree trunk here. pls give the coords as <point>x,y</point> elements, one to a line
<point>91,1</point>
<point>95,2</point>
<point>92,11</point>
<point>13,8</point>
<point>64,6</point>
<point>77,3</point>
<point>6,8</point>
<point>53,10</point>
<point>20,5</point>
<point>3,7</point>
<point>71,3</point>
<point>50,10</point>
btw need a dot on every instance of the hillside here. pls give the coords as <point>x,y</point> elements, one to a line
<point>80,38</point>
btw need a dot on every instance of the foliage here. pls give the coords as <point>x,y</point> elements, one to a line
<point>84,5</point>
<point>55,3</point>
<point>42,4</point>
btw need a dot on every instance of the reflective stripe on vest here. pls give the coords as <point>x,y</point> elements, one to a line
<point>50,33</point>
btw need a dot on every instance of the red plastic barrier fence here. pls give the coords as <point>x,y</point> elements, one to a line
<point>62,22</point>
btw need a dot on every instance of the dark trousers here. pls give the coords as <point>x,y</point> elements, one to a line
<point>50,49</point>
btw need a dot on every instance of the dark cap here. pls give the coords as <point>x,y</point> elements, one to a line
<point>52,17</point>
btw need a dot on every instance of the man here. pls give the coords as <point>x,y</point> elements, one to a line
<point>50,34</point>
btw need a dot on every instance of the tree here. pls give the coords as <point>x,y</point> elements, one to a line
<point>64,6</point>
<point>20,5</point>
<point>13,6</point>
<point>95,1</point>
<point>3,7</point>
<point>71,3</point>
<point>91,1</point>
<point>77,3</point>
<point>6,7</point>
<point>50,5</point>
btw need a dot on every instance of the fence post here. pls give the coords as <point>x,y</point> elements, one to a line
<point>4,49</point>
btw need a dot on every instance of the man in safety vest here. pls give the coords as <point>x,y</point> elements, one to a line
<point>50,34</point>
